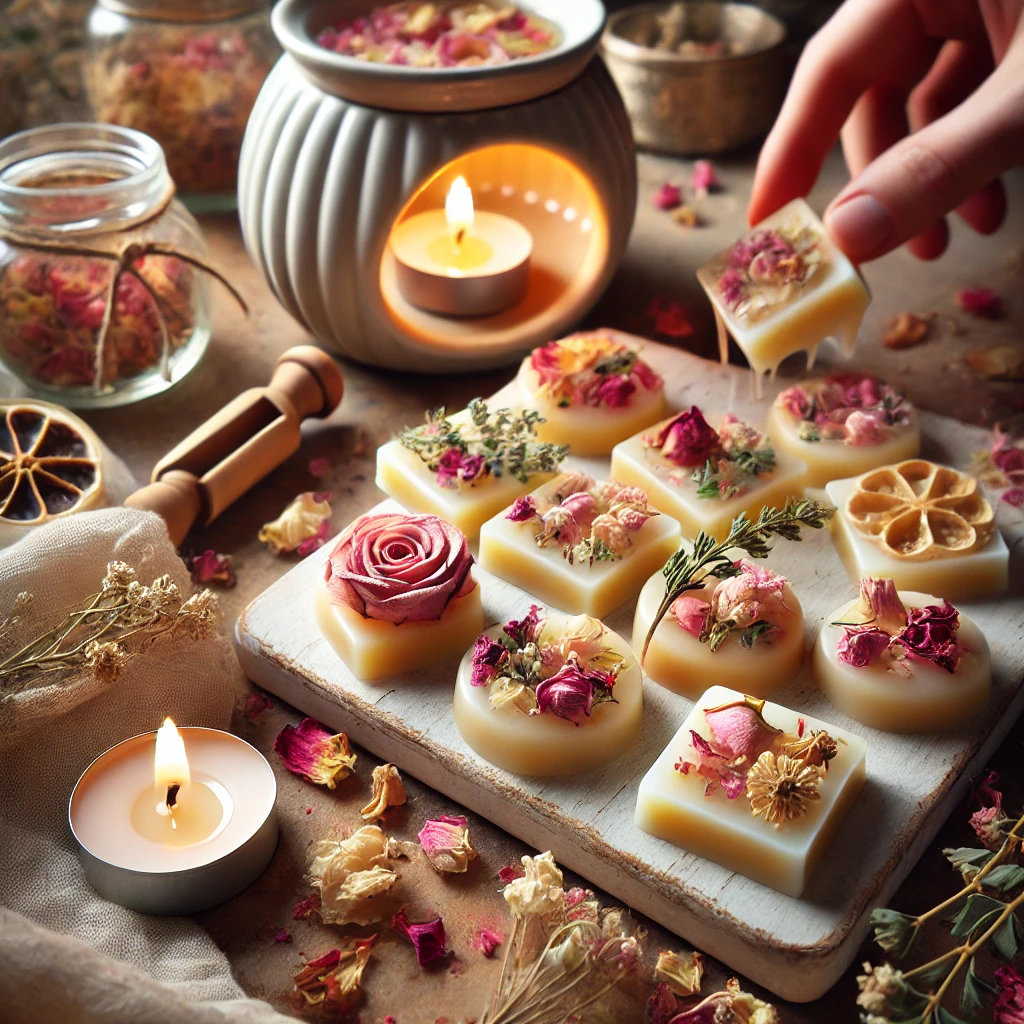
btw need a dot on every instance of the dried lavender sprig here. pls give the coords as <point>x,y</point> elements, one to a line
<point>752,537</point>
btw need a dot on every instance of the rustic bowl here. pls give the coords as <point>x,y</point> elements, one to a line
<point>685,106</point>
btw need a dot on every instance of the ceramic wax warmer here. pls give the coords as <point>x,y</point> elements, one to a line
<point>339,153</point>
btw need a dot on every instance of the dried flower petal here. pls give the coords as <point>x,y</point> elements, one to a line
<point>704,178</point>
<point>428,938</point>
<point>685,440</point>
<point>682,973</point>
<point>255,704</point>
<point>211,568</point>
<point>315,753</point>
<point>319,467</point>
<point>388,791</point>
<point>859,647</point>
<point>662,1006</point>
<point>331,984</point>
<point>668,197</point>
<point>877,987</point>
<point>282,935</point>
<point>730,1006</point>
<point>687,216</point>
<point>487,941</point>
<point>1009,1004</point>
<point>980,302</point>
<point>539,891</point>
<point>997,362</point>
<point>303,522</point>
<point>907,330</point>
<point>739,731</point>
<point>510,872</point>
<point>669,317</point>
<point>349,874</point>
<point>306,906</point>
<point>691,613</point>
<point>445,841</point>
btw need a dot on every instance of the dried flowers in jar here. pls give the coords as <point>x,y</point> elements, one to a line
<point>102,296</point>
<point>188,75</point>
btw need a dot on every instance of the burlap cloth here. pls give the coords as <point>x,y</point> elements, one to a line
<point>66,954</point>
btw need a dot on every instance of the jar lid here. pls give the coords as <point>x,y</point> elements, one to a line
<point>184,10</point>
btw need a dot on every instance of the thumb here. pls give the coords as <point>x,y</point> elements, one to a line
<point>912,185</point>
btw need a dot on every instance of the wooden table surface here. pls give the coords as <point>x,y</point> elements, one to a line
<point>659,263</point>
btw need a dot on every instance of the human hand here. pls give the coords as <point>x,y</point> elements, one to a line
<point>928,98</point>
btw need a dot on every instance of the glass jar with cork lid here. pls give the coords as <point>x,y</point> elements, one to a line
<point>185,72</point>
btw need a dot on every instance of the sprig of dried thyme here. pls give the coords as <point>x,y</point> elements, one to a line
<point>710,557</point>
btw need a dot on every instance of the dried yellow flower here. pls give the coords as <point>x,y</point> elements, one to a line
<point>388,791</point>
<point>683,973</point>
<point>815,747</point>
<point>349,874</point>
<point>908,330</point>
<point>539,891</point>
<point>301,527</point>
<point>106,659</point>
<point>199,616</point>
<point>780,787</point>
<point>687,216</point>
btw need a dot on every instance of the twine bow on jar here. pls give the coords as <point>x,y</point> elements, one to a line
<point>918,511</point>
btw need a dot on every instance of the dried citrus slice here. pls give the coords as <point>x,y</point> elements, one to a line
<point>50,466</point>
<point>918,511</point>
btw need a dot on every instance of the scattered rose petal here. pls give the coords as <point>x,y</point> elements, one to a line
<point>445,841</point>
<point>255,704</point>
<point>309,810</point>
<point>687,216</point>
<point>282,935</point>
<point>999,362</point>
<point>388,791</point>
<point>302,526</point>
<point>306,906</point>
<point>319,467</point>
<point>349,874</point>
<point>510,872</point>
<point>668,197</point>
<point>907,330</point>
<point>670,317</point>
<point>428,939</point>
<point>211,569</point>
<point>487,940</point>
<point>662,1005</point>
<point>315,753</point>
<point>331,984</point>
<point>1014,497</point>
<point>1009,1004</point>
<point>704,178</point>
<point>980,302</point>
<point>682,973</point>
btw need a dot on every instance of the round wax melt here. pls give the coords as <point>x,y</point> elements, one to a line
<point>545,744</point>
<point>929,700</point>
<point>677,660</point>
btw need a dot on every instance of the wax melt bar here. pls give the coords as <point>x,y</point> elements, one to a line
<point>705,477</point>
<point>754,787</point>
<point>746,632</point>
<point>592,390</point>
<point>549,695</point>
<point>925,526</point>
<point>398,594</point>
<point>844,425</point>
<point>784,288</point>
<point>578,544</point>
<point>469,466</point>
<point>902,661</point>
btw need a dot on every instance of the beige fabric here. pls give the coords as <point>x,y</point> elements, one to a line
<point>72,955</point>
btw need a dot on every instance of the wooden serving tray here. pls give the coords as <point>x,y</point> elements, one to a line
<point>797,948</point>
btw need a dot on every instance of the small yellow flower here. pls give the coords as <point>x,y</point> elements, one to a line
<point>780,788</point>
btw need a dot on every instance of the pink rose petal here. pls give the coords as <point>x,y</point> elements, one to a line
<point>428,939</point>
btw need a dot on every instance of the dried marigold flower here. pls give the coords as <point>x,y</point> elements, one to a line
<point>816,748</point>
<point>332,984</point>
<point>349,874</point>
<point>780,788</point>
<point>388,791</point>
<point>539,891</point>
<point>682,973</point>
<point>315,753</point>
<point>445,841</point>
<point>907,330</point>
<point>687,216</point>
<point>303,526</point>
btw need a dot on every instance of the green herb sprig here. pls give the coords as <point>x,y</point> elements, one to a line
<point>690,570</point>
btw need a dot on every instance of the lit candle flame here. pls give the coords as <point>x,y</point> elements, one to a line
<point>458,209</point>
<point>170,765</point>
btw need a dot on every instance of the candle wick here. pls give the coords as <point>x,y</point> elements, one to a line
<point>459,237</point>
<point>172,795</point>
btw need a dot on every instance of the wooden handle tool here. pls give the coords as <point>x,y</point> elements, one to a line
<point>238,446</point>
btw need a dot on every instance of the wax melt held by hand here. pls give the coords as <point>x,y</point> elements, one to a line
<point>753,786</point>
<point>745,631</point>
<point>398,594</point>
<point>579,544</point>
<point>902,661</point>
<point>704,477</point>
<point>843,425</point>
<point>784,288</point>
<point>467,467</point>
<point>549,694</point>
<point>592,390</point>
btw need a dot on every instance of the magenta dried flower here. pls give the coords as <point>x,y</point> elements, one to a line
<point>306,906</point>
<point>445,841</point>
<point>522,509</point>
<point>981,302</point>
<point>691,613</point>
<point>510,873</point>
<point>668,197</point>
<point>714,767</point>
<point>686,440</point>
<point>526,630</point>
<point>315,753</point>
<point>1009,1004</point>
<point>859,647</point>
<point>669,317</point>
<point>615,391</point>
<point>255,704</point>
<point>282,935</point>
<point>487,940</point>
<point>704,179</point>
<point>930,635</point>
<point>212,569</point>
<point>569,694</point>
<point>488,655</point>
<point>739,732</point>
<point>428,939</point>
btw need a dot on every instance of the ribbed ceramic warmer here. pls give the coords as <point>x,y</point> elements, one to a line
<point>339,151</point>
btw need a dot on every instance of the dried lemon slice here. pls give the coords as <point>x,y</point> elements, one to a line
<point>918,511</point>
<point>50,466</point>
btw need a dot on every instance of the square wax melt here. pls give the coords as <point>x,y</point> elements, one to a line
<point>510,548</point>
<point>956,576</point>
<point>674,807</point>
<point>784,288</point>
<point>673,490</point>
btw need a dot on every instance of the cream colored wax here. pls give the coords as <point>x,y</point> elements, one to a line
<point>673,806</point>
<point>678,661</point>
<point>930,699</point>
<point>546,744</point>
<point>672,491</point>
<point>589,430</point>
<point>374,649</point>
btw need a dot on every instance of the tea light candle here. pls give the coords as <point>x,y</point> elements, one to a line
<point>175,821</point>
<point>461,262</point>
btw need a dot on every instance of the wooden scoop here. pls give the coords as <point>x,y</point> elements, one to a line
<point>238,446</point>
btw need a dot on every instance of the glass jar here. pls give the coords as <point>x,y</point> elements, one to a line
<point>84,321</point>
<point>185,72</point>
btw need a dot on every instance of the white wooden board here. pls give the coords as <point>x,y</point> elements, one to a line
<point>795,948</point>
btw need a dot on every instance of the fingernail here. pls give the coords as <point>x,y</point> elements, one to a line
<point>859,226</point>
